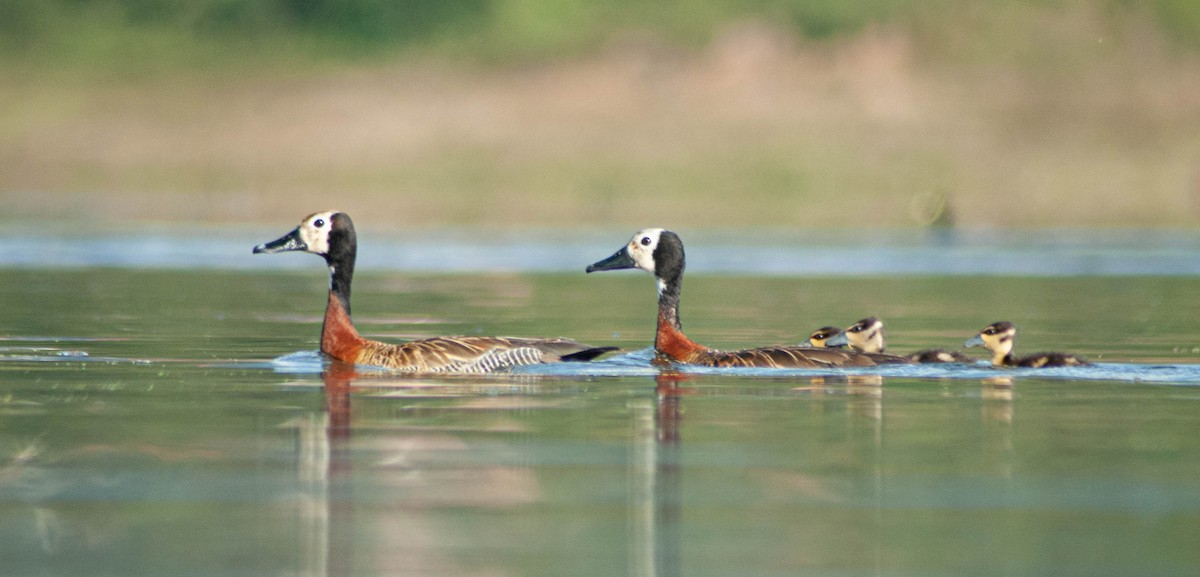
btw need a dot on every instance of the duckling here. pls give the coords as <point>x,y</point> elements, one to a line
<point>660,253</point>
<point>820,338</point>
<point>999,337</point>
<point>331,235</point>
<point>867,336</point>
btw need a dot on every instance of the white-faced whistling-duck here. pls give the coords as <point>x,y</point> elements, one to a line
<point>867,336</point>
<point>660,253</point>
<point>331,235</point>
<point>999,337</point>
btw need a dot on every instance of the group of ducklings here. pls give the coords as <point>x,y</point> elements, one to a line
<point>866,336</point>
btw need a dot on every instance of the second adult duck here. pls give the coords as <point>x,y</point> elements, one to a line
<point>660,253</point>
<point>331,235</point>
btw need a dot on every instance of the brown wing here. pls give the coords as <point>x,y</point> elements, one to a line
<point>796,357</point>
<point>886,359</point>
<point>470,354</point>
<point>556,349</point>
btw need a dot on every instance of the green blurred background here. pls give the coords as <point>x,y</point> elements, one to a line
<point>568,113</point>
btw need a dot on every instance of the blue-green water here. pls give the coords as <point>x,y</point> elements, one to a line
<point>173,421</point>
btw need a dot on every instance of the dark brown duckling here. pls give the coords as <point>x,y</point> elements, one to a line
<point>999,337</point>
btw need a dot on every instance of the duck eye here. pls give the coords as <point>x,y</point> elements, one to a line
<point>320,222</point>
<point>645,241</point>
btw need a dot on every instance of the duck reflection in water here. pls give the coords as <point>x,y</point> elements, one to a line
<point>656,479</point>
<point>654,474</point>
<point>357,448</point>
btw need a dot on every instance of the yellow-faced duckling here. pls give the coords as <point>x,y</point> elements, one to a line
<point>820,338</point>
<point>999,337</point>
<point>331,235</point>
<point>867,336</point>
<point>660,253</point>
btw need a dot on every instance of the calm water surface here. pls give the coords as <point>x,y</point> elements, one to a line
<point>169,422</point>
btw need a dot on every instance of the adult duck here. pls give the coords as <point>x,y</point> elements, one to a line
<point>660,253</point>
<point>331,235</point>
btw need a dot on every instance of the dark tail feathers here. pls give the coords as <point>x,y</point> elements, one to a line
<point>587,354</point>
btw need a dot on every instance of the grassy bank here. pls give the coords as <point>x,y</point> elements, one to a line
<point>505,114</point>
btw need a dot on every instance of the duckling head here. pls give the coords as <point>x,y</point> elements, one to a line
<point>996,337</point>
<point>866,335</point>
<point>820,338</point>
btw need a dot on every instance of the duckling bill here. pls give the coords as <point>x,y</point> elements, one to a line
<point>999,339</point>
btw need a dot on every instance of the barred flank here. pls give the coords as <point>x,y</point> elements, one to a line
<point>466,354</point>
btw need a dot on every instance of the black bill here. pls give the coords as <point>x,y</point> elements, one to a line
<point>287,242</point>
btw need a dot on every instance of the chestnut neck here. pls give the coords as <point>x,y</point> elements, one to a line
<point>339,338</point>
<point>669,338</point>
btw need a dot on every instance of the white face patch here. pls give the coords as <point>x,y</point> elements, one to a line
<point>314,231</point>
<point>641,248</point>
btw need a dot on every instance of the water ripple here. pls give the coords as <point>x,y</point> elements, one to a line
<point>639,363</point>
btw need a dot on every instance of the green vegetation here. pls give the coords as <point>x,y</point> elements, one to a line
<point>170,32</point>
<point>568,112</point>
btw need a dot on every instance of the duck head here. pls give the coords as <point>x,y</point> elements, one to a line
<point>822,337</point>
<point>996,337</point>
<point>654,250</point>
<point>863,336</point>
<point>329,234</point>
